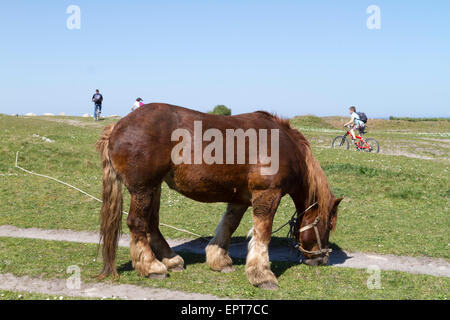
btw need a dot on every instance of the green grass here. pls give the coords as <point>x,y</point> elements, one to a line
<point>310,122</point>
<point>21,295</point>
<point>440,126</point>
<point>50,259</point>
<point>393,204</point>
<point>418,119</point>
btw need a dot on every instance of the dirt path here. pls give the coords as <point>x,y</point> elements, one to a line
<point>71,122</point>
<point>78,123</point>
<point>95,290</point>
<point>418,265</point>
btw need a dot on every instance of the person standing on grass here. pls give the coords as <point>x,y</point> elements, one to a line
<point>97,98</point>
<point>358,124</point>
<point>137,104</point>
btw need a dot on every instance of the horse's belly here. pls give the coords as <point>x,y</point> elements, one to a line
<point>209,189</point>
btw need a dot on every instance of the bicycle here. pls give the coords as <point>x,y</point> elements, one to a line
<point>361,144</point>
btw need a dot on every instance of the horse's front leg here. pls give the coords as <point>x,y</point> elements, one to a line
<point>265,204</point>
<point>217,256</point>
<point>142,256</point>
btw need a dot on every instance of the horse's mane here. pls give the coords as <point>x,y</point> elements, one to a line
<point>315,180</point>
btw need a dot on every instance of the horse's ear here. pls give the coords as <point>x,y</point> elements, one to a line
<point>337,201</point>
<point>334,213</point>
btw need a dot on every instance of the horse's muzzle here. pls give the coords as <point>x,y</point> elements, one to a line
<point>318,261</point>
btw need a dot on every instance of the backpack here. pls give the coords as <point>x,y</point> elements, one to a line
<point>362,116</point>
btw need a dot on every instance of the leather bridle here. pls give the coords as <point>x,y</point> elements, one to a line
<point>293,223</point>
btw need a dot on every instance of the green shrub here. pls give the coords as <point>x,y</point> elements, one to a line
<point>222,110</point>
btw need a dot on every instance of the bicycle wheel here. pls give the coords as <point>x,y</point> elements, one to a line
<point>340,142</point>
<point>373,145</point>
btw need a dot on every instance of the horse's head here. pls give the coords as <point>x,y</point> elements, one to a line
<point>313,232</point>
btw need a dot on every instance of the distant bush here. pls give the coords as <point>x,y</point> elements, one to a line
<point>222,110</point>
<point>418,119</point>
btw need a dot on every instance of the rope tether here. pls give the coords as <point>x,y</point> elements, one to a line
<point>95,198</point>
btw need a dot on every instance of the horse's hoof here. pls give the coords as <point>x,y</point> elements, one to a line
<point>177,269</point>
<point>228,269</point>
<point>269,286</point>
<point>174,264</point>
<point>157,276</point>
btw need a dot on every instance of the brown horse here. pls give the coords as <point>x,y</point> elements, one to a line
<point>138,151</point>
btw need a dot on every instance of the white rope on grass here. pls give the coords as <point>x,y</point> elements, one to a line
<point>95,198</point>
<point>54,179</point>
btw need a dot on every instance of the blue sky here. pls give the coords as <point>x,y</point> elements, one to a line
<point>289,57</point>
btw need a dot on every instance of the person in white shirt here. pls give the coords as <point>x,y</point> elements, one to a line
<point>355,120</point>
<point>137,104</point>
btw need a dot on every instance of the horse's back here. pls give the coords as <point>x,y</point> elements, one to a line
<point>141,149</point>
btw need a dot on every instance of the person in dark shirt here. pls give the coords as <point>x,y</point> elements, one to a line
<point>97,98</point>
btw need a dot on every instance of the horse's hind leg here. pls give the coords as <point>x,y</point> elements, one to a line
<point>159,245</point>
<point>142,256</point>
<point>217,250</point>
<point>265,204</point>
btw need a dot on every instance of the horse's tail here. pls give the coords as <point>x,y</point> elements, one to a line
<point>111,213</point>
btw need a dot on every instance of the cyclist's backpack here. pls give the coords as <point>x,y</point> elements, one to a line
<point>362,116</point>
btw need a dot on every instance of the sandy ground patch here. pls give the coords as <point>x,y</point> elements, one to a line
<point>95,290</point>
<point>76,123</point>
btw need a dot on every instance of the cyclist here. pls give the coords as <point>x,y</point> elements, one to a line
<point>356,121</point>
<point>97,98</point>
